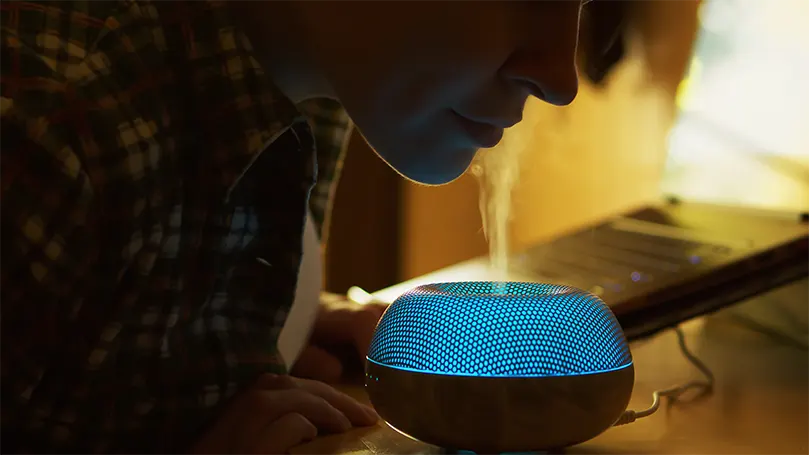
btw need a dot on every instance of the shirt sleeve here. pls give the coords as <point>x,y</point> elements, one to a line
<point>332,129</point>
<point>48,226</point>
<point>48,237</point>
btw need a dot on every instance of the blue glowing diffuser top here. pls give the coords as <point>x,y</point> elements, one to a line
<point>500,329</point>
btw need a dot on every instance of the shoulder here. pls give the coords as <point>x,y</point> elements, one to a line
<point>79,80</point>
<point>44,46</point>
<point>83,102</point>
<point>68,56</point>
<point>45,37</point>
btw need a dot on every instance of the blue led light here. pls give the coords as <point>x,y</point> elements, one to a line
<point>500,329</point>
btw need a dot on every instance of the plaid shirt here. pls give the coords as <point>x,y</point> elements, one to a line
<point>154,191</point>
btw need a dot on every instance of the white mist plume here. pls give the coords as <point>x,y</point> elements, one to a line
<point>497,170</point>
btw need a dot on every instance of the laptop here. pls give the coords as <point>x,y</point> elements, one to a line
<point>733,219</point>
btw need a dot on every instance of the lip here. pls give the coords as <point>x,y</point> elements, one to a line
<point>483,134</point>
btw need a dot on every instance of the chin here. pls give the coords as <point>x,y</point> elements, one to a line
<point>426,162</point>
<point>433,158</point>
<point>435,178</point>
<point>432,170</point>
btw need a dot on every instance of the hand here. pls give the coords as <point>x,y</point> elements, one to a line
<point>280,412</point>
<point>341,337</point>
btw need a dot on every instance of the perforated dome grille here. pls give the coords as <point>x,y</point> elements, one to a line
<point>499,329</point>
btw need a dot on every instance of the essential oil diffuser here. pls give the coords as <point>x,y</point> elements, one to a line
<point>496,367</point>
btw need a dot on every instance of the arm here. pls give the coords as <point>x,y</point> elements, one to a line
<point>49,238</point>
<point>48,250</point>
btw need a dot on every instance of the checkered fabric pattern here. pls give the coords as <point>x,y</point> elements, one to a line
<point>155,185</point>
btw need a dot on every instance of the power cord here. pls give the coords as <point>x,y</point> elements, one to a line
<point>673,393</point>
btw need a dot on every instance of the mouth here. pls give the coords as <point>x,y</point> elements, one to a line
<point>485,135</point>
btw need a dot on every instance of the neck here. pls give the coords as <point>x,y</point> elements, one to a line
<point>279,36</point>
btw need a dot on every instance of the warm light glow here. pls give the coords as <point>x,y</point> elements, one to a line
<point>741,137</point>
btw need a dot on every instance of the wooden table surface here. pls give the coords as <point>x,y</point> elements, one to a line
<point>760,402</point>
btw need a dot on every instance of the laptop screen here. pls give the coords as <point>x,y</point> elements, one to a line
<point>741,137</point>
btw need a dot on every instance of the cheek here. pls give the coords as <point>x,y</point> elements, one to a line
<point>460,73</point>
<point>432,75</point>
<point>405,73</point>
<point>399,93</point>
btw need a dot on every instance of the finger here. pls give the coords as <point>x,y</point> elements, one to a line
<point>366,326</point>
<point>315,408</point>
<point>349,322</point>
<point>358,413</point>
<point>275,382</point>
<point>316,363</point>
<point>254,409</point>
<point>284,433</point>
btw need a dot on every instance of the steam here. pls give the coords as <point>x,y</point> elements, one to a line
<point>497,171</point>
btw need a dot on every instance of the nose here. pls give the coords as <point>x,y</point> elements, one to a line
<point>553,79</point>
<point>544,62</point>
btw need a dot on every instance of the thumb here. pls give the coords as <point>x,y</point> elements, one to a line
<point>349,322</point>
<point>316,363</point>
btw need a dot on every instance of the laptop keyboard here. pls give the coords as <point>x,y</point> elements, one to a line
<point>610,260</point>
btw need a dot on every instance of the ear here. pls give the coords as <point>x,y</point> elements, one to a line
<point>602,35</point>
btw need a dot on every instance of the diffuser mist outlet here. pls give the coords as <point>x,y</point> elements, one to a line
<point>496,367</point>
